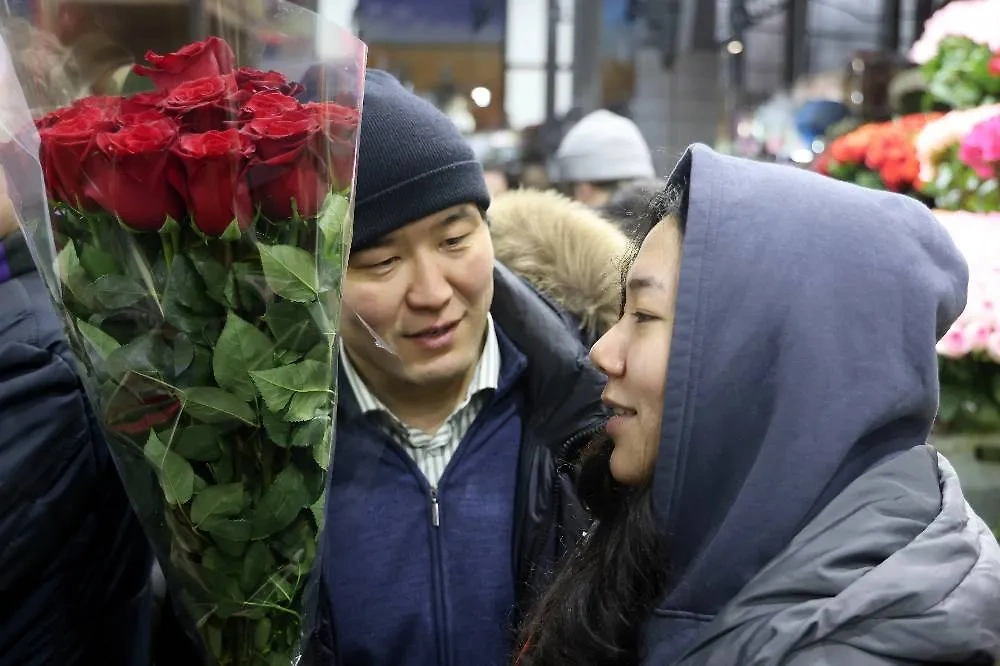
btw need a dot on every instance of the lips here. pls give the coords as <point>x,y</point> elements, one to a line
<point>618,408</point>
<point>434,331</point>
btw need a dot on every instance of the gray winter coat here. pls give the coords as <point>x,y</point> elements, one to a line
<point>896,570</point>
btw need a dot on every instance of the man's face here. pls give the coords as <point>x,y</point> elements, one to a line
<point>425,290</point>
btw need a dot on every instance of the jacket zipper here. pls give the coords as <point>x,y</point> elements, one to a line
<point>435,508</point>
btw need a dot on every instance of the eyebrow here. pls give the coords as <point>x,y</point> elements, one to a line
<point>640,283</point>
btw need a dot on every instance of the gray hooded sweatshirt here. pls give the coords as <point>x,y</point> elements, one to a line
<point>808,521</point>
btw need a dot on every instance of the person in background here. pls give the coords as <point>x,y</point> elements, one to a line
<point>766,495</point>
<point>599,154</point>
<point>75,564</point>
<point>450,500</point>
<point>566,251</point>
<point>629,207</point>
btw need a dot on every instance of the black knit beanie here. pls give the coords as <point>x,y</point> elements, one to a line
<point>412,162</point>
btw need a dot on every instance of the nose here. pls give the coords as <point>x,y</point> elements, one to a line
<point>430,288</point>
<point>608,353</point>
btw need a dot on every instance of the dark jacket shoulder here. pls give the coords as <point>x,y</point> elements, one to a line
<point>75,564</point>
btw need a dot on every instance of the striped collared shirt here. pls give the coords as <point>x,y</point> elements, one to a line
<point>432,451</point>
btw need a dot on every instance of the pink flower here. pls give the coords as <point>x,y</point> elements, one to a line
<point>994,66</point>
<point>993,346</point>
<point>941,134</point>
<point>954,344</point>
<point>981,148</point>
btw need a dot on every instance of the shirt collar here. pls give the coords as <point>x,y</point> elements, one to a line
<point>485,378</point>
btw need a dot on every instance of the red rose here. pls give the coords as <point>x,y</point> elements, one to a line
<point>340,125</point>
<point>269,105</point>
<point>98,102</point>
<point>212,57</point>
<point>213,182</point>
<point>136,109</point>
<point>204,104</point>
<point>256,80</point>
<point>65,145</point>
<point>336,120</point>
<point>285,166</point>
<point>130,175</point>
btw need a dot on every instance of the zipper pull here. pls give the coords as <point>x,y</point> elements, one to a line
<point>435,508</point>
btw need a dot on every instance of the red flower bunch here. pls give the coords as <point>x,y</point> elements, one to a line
<point>878,154</point>
<point>213,141</point>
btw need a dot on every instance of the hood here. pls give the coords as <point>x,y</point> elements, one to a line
<point>895,569</point>
<point>565,250</point>
<point>803,354</point>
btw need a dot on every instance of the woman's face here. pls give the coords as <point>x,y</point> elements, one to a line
<point>634,354</point>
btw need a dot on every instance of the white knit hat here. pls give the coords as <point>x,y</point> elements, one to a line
<point>602,147</point>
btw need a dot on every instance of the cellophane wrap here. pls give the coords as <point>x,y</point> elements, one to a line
<point>190,211</point>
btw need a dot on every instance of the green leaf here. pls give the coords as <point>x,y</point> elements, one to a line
<point>280,503</point>
<point>232,233</point>
<point>220,562</point>
<point>148,354</point>
<point>290,272</point>
<point>322,448</point>
<point>175,473</point>
<point>74,276</point>
<point>117,292</point>
<point>278,431</point>
<point>222,470</point>
<point>262,634</point>
<point>246,288</point>
<point>311,432</point>
<point>257,563</point>
<point>319,511</point>
<point>199,442</point>
<point>212,273</point>
<point>212,405</point>
<point>97,262</point>
<point>241,348</point>
<point>235,530</point>
<point>299,392</point>
<point>217,502</point>
<point>293,326</point>
<point>187,287</point>
<point>332,217</point>
<point>183,354</point>
<point>101,341</point>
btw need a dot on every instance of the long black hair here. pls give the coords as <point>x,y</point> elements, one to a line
<point>606,587</point>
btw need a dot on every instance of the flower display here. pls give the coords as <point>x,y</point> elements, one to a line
<point>938,136</point>
<point>880,155</point>
<point>970,351</point>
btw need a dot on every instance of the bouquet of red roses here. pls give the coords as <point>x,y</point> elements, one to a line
<point>198,236</point>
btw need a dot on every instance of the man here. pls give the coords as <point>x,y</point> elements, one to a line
<point>461,394</point>
<point>74,565</point>
<point>599,154</point>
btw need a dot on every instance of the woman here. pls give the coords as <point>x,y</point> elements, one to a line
<point>768,496</point>
<point>565,250</point>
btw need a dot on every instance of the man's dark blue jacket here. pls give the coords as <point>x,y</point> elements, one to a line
<point>74,563</point>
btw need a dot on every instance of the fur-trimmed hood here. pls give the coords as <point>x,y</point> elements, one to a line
<point>565,250</point>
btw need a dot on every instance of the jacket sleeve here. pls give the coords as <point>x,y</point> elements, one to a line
<point>74,564</point>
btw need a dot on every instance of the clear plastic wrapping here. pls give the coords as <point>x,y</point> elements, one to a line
<point>190,211</point>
